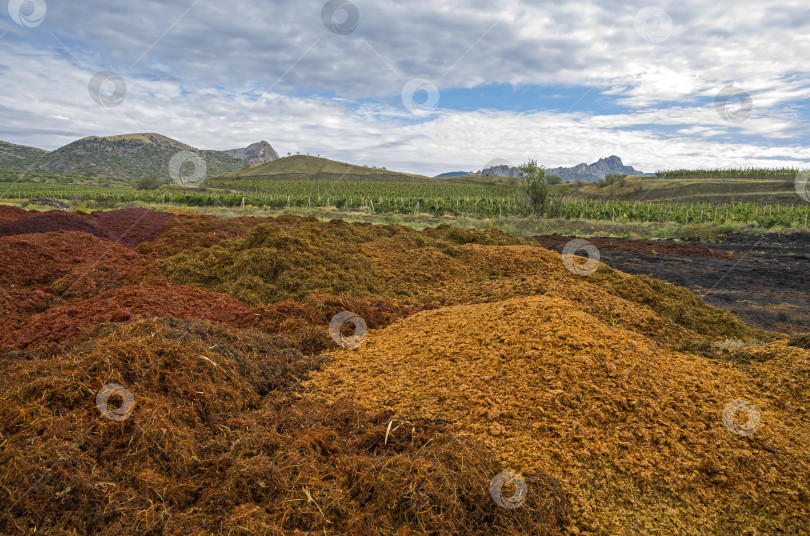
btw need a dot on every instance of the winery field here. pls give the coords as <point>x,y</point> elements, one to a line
<point>715,187</point>
<point>472,200</point>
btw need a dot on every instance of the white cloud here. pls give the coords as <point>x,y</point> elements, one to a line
<point>205,78</point>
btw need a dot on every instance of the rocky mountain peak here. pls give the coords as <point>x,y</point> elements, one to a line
<point>254,154</point>
<point>585,172</point>
<point>609,164</point>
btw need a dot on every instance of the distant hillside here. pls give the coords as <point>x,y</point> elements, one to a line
<point>126,157</point>
<point>310,168</point>
<point>302,167</point>
<point>18,157</point>
<point>702,190</point>
<point>581,172</point>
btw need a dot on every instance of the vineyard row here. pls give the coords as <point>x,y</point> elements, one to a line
<point>405,198</point>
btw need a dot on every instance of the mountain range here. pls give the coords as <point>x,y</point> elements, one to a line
<point>581,172</point>
<point>597,171</point>
<point>126,157</point>
<point>131,156</point>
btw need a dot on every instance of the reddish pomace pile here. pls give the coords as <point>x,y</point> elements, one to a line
<point>10,214</point>
<point>307,323</point>
<point>219,443</point>
<point>49,330</point>
<point>602,409</point>
<point>189,231</point>
<point>129,226</point>
<point>56,283</point>
<point>80,262</point>
<point>484,352</point>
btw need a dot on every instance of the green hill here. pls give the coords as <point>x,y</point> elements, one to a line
<point>302,167</point>
<point>311,168</point>
<point>127,157</point>
<point>18,157</point>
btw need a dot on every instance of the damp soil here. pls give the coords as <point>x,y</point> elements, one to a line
<point>762,279</point>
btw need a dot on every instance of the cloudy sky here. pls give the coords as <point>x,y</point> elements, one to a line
<point>420,86</point>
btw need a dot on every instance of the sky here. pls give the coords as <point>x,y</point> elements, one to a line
<point>420,86</point>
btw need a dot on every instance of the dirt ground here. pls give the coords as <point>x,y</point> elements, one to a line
<point>762,278</point>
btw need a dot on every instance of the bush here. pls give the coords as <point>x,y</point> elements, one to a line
<point>148,182</point>
<point>103,202</point>
<point>611,180</point>
<point>536,185</point>
<point>563,189</point>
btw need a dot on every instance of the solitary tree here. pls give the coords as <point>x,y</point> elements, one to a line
<point>148,182</point>
<point>535,185</point>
